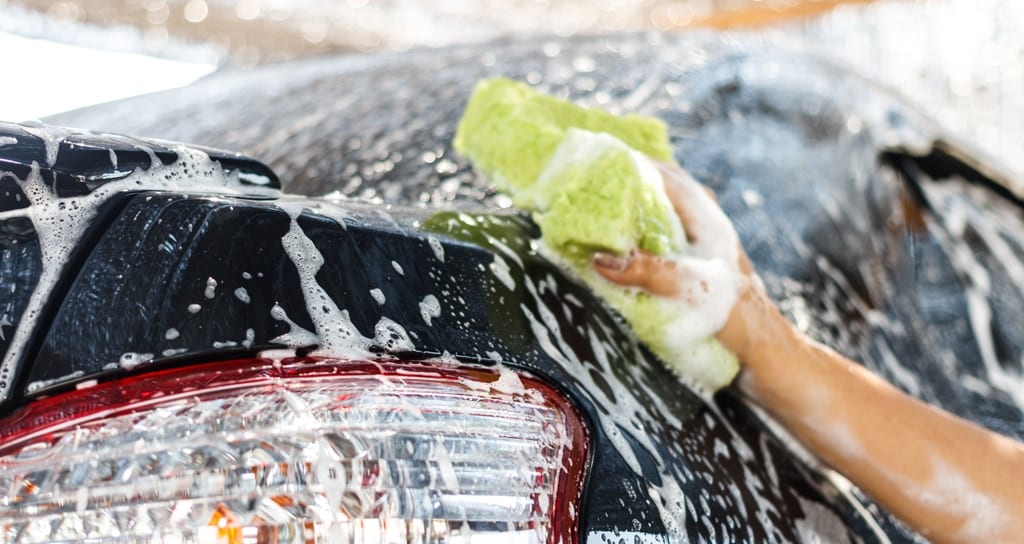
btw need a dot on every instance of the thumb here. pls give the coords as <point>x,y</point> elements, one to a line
<point>640,269</point>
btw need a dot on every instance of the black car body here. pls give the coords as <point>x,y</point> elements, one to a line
<point>871,231</point>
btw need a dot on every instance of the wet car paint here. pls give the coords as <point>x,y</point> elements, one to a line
<point>870,256</point>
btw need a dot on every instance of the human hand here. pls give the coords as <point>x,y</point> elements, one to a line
<point>899,450</point>
<point>713,271</point>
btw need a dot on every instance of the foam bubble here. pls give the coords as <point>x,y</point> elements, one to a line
<point>60,222</point>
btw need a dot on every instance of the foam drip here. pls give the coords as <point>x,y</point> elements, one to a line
<point>336,335</point>
<point>60,222</point>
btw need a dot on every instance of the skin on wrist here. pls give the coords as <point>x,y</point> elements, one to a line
<point>933,470</point>
<point>758,334</point>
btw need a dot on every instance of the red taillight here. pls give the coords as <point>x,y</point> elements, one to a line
<point>304,451</point>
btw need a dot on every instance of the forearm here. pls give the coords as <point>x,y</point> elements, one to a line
<point>949,479</point>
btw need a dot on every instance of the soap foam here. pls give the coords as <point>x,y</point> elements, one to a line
<point>60,222</point>
<point>338,335</point>
<point>679,329</point>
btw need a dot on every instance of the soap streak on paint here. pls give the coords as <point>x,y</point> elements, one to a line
<point>338,335</point>
<point>36,386</point>
<point>753,481</point>
<point>436,247</point>
<point>500,269</point>
<point>667,497</point>
<point>60,222</point>
<point>629,422</point>
<point>957,215</point>
<point>820,525</point>
<point>52,138</point>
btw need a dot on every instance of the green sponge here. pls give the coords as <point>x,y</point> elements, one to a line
<point>511,131</point>
<point>584,176</point>
<point>597,194</point>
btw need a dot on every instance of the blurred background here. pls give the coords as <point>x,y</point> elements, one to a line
<point>961,61</point>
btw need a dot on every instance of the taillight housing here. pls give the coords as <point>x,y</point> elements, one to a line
<point>298,451</point>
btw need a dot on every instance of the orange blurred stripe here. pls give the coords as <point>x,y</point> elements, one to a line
<point>757,15</point>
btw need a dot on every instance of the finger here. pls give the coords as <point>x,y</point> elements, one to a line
<point>685,193</point>
<point>676,195</point>
<point>674,174</point>
<point>745,266</point>
<point>677,198</point>
<point>707,227</point>
<point>654,274</point>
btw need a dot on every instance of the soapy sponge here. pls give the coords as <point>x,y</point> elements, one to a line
<point>598,194</point>
<point>585,176</point>
<point>511,131</point>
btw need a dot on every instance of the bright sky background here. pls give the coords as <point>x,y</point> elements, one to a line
<point>43,77</point>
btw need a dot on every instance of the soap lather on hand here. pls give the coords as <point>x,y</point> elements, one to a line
<point>654,244</point>
<point>593,183</point>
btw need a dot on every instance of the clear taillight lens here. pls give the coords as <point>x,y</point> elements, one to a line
<point>312,451</point>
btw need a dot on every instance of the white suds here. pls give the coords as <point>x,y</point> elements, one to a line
<point>710,284</point>
<point>752,198</point>
<point>41,384</point>
<point>820,525</point>
<point>131,360</point>
<point>500,269</point>
<point>391,336</point>
<point>338,335</point>
<point>60,222</point>
<point>242,294</point>
<point>211,288</point>
<point>52,138</point>
<point>987,519</point>
<point>493,355</point>
<point>378,296</point>
<point>194,308</point>
<point>508,382</point>
<point>297,336</point>
<point>398,268</point>
<point>430,308</point>
<point>171,334</point>
<point>435,245</point>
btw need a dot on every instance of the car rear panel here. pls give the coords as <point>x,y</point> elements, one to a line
<point>169,280</point>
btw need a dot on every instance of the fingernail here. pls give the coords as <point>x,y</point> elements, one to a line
<point>610,260</point>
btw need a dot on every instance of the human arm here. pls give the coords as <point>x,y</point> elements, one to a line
<point>949,479</point>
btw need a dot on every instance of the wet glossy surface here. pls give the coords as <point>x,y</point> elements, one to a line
<point>961,61</point>
<point>872,238</point>
<point>665,464</point>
